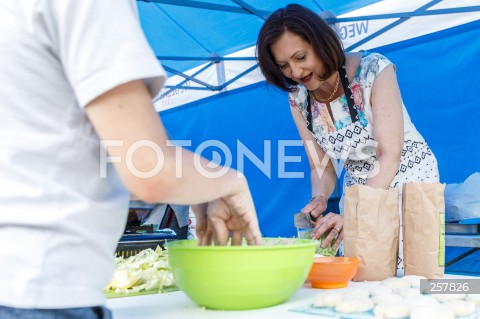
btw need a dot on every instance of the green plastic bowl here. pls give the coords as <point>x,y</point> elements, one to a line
<point>241,277</point>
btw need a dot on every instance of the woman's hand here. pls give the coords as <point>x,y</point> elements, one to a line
<point>316,206</point>
<point>331,222</point>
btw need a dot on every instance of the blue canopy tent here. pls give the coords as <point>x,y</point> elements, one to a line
<point>436,66</point>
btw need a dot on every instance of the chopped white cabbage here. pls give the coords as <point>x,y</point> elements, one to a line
<point>147,270</point>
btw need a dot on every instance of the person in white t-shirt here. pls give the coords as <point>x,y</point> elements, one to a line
<point>78,134</point>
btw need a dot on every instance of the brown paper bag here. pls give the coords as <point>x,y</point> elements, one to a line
<point>424,229</point>
<point>371,231</point>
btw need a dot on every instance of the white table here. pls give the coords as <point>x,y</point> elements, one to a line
<point>176,305</point>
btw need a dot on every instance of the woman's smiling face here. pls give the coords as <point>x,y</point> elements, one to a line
<point>297,60</point>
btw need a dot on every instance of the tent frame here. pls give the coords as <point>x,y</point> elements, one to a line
<point>244,8</point>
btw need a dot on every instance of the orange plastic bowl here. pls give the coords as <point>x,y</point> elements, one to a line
<point>332,272</point>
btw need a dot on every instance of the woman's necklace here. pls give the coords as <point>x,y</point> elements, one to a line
<point>333,93</point>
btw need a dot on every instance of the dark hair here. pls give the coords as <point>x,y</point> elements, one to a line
<point>310,27</point>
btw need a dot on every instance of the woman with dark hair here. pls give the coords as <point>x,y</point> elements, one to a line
<point>346,106</point>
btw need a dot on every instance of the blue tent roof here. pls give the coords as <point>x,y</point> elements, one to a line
<point>179,30</point>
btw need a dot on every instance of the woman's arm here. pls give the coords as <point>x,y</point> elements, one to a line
<point>387,113</point>
<point>322,172</point>
<point>323,179</point>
